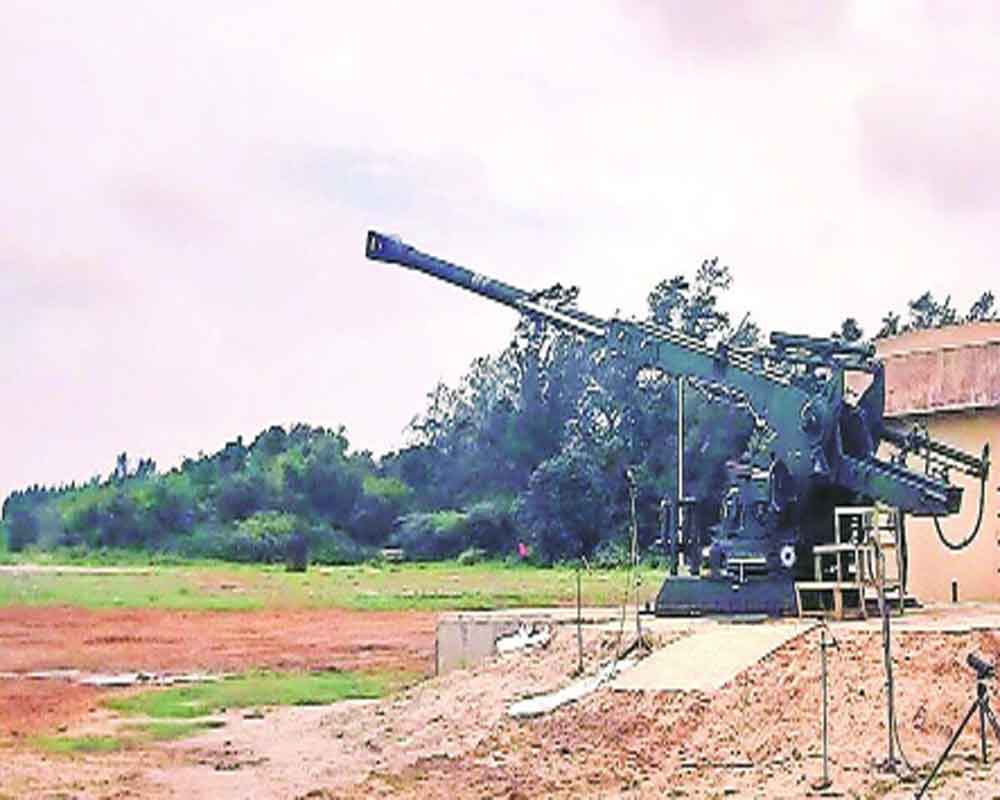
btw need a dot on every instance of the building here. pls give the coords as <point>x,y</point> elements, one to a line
<point>949,380</point>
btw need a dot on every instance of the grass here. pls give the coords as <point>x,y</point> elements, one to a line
<point>440,586</point>
<point>166,731</point>
<point>132,735</point>
<point>255,690</point>
<point>182,711</point>
<point>78,744</point>
<point>445,586</point>
<point>167,588</point>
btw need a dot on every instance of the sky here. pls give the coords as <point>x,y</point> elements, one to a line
<point>186,189</point>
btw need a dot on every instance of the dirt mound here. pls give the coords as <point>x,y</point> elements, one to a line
<point>445,717</point>
<point>756,737</point>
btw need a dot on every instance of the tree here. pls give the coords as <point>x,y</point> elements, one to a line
<point>982,310</point>
<point>566,509</point>
<point>23,530</point>
<point>926,312</point>
<point>120,473</point>
<point>850,330</point>
<point>890,326</point>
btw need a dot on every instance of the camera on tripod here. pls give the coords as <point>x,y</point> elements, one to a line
<point>983,669</point>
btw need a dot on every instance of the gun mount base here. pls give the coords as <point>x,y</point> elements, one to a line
<point>689,596</point>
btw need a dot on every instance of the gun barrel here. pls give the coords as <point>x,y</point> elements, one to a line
<point>380,247</point>
<point>818,344</point>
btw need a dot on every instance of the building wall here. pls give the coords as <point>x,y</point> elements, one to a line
<point>977,568</point>
<point>942,369</point>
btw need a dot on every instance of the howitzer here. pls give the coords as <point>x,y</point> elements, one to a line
<point>821,448</point>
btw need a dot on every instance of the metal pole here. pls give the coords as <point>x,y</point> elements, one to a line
<point>680,465</point>
<point>634,555</point>
<point>822,650</point>
<point>579,624</point>
<point>890,764</point>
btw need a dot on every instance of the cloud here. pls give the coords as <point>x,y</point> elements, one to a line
<point>187,190</point>
<point>929,110</point>
<point>727,31</point>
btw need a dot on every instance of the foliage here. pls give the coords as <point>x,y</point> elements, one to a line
<point>492,526</point>
<point>530,445</point>
<point>431,536</point>
<point>566,508</point>
<point>926,311</point>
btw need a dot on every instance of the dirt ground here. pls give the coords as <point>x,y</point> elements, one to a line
<point>33,639</point>
<point>757,736</point>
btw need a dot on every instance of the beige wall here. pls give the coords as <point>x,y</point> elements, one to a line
<point>977,568</point>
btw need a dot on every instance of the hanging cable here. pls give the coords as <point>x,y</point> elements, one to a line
<point>979,521</point>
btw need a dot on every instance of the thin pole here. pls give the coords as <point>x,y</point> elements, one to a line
<point>680,464</point>
<point>579,624</point>
<point>634,556</point>
<point>890,765</point>
<point>822,650</point>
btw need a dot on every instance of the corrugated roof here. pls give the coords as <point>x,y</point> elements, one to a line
<point>942,369</point>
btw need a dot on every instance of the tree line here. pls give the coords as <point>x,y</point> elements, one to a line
<point>540,448</point>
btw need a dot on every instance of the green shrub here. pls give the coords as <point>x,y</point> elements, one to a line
<point>432,536</point>
<point>297,552</point>
<point>610,554</point>
<point>491,526</point>
<point>22,531</point>
<point>331,546</point>
<point>471,556</point>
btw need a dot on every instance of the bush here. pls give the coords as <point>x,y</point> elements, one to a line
<point>567,508</point>
<point>297,553</point>
<point>471,556</point>
<point>22,531</point>
<point>432,537</point>
<point>381,503</point>
<point>331,546</point>
<point>240,496</point>
<point>491,526</point>
<point>610,554</point>
<point>262,537</point>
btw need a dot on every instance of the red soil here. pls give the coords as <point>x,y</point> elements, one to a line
<point>155,640</point>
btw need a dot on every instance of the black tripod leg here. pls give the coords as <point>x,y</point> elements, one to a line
<point>982,729</point>
<point>993,721</point>
<point>947,750</point>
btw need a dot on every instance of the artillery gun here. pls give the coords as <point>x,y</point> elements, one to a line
<point>821,449</point>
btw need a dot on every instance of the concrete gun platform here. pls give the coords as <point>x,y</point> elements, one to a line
<point>709,657</point>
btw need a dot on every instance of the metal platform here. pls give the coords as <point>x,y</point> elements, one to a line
<point>691,596</point>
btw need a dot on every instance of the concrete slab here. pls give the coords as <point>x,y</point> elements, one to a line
<point>711,656</point>
<point>466,638</point>
<point>536,706</point>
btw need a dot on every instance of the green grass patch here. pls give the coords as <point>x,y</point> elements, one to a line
<point>256,689</point>
<point>433,586</point>
<point>103,557</point>
<point>444,586</point>
<point>168,730</point>
<point>163,587</point>
<point>78,744</point>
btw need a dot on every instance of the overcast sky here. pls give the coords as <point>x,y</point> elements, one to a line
<point>187,186</point>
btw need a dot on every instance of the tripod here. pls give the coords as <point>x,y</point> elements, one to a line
<point>984,671</point>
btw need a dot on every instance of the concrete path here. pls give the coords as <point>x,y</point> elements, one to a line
<point>708,658</point>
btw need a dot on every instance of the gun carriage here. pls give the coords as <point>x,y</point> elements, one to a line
<point>821,453</point>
